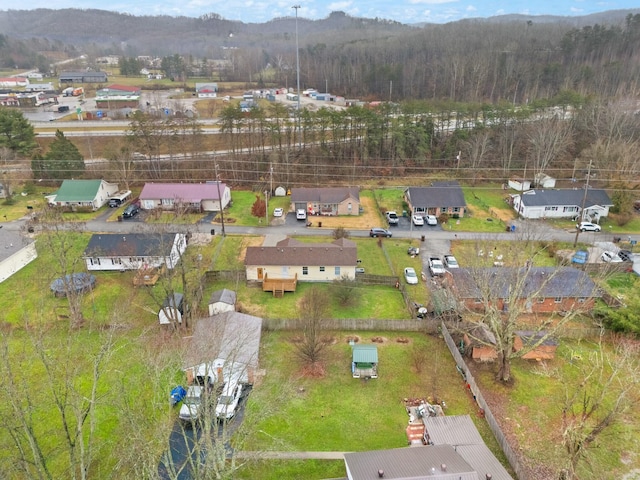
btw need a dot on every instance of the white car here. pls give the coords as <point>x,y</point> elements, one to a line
<point>610,257</point>
<point>301,214</point>
<point>417,220</point>
<point>450,261</point>
<point>228,400</point>
<point>278,212</point>
<point>432,220</point>
<point>588,227</point>
<point>192,403</point>
<point>410,276</point>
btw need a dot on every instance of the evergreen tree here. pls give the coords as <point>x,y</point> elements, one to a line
<point>63,160</point>
<point>16,133</point>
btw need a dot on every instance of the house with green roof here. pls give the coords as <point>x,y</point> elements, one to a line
<point>75,194</point>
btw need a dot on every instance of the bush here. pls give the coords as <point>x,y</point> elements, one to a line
<point>340,232</point>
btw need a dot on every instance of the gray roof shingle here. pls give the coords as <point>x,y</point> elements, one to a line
<point>130,245</point>
<point>572,198</point>
<point>438,195</point>
<point>325,194</point>
<point>541,282</point>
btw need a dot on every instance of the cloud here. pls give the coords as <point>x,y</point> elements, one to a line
<point>339,6</point>
<point>432,2</point>
<point>471,8</point>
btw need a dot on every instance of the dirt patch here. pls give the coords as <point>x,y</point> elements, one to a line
<point>249,242</point>
<point>364,221</point>
<point>352,338</point>
<point>314,370</point>
<point>404,340</point>
<point>378,339</point>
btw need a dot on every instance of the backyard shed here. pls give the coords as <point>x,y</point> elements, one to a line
<point>172,309</point>
<point>222,301</point>
<point>364,361</point>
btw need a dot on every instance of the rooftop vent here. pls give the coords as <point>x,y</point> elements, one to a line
<point>380,473</point>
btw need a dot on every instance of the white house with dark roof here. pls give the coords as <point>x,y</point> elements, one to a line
<point>534,204</point>
<point>309,262</point>
<point>437,199</point>
<point>16,252</point>
<point>201,197</point>
<point>133,251</point>
<point>327,201</point>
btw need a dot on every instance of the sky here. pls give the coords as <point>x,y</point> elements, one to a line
<point>404,11</point>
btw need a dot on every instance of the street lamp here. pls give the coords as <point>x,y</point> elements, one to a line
<point>296,7</point>
<point>266,208</point>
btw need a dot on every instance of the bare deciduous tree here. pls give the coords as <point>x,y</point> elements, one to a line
<point>313,308</point>
<point>605,388</point>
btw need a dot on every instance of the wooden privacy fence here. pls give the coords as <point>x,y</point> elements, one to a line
<point>471,384</point>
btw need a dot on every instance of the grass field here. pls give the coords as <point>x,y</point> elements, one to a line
<point>340,413</point>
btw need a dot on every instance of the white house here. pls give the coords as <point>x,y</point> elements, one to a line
<point>563,204</point>
<point>133,251</point>
<point>308,262</point>
<point>16,252</point>
<point>91,194</point>
<point>202,197</point>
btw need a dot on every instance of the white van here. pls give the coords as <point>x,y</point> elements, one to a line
<point>301,214</point>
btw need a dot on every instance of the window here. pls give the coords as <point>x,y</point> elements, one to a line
<point>116,261</point>
<point>337,271</point>
<point>581,300</point>
<point>322,269</point>
<point>95,261</point>
<point>551,209</point>
<point>540,299</point>
<point>570,209</point>
<point>456,209</point>
<point>167,201</point>
<point>305,270</point>
<point>477,300</point>
<point>558,300</point>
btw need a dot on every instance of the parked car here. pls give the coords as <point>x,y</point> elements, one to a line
<point>626,255</point>
<point>588,227</point>
<point>413,251</point>
<point>392,218</point>
<point>379,232</point>
<point>436,267</point>
<point>229,400</point>
<point>432,220</point>
<point>192,403</point>
<point>450,261</point>
<point>417,220</point>
<point>301,214</point>
<point>360,270</point>
<point>131,211</point>
<point>278,212</point>
<point>410,276</point>
<point>610,257</point>
<point>580,257</point>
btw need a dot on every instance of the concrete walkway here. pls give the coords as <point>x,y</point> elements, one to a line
<point>291,455</point>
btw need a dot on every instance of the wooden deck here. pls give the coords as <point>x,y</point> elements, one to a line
<point>147,276</point>
<point>279,285</point>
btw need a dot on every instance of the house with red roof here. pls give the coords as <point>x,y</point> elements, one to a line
<point>201,197</point>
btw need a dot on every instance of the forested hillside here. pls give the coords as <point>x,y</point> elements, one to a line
<point>516,59</point>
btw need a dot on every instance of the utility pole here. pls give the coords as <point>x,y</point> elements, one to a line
<point>219,198</point>
<point>296,7</point>
<point>584,201</point>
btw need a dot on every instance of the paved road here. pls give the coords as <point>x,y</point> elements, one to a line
<point>525,230</point>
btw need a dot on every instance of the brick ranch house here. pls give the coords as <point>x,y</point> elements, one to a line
<point>542,289</point>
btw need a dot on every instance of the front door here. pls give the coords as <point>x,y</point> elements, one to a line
<point>260,273</point>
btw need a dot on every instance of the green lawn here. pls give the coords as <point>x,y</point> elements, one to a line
<point>390,200</point>
<point>338,412</point>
